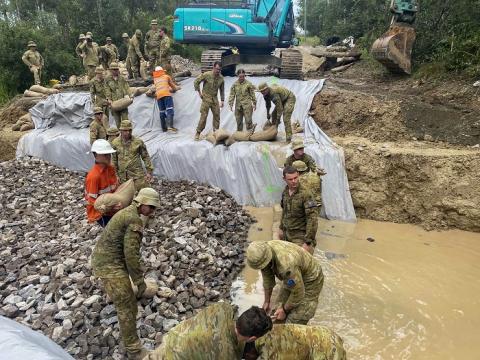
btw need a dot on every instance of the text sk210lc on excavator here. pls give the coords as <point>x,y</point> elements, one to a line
<point>244,31</point>
<point>394,48</point>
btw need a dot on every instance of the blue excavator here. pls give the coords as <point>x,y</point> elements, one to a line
<point>241,31</point>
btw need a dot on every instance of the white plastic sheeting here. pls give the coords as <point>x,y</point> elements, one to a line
<point>18,342</point>
<point>249,171</point>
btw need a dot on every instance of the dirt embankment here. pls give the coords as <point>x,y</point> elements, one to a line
<point>410,146</point>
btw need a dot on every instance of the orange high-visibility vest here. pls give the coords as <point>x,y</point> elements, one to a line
<point>162,84</point>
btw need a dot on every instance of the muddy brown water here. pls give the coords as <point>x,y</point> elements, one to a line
<point>391,291</point>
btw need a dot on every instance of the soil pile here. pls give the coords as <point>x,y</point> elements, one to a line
<point>193,250</point>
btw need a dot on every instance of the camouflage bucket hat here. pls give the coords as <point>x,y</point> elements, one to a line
<point>125,125</point>
<point>124,35</point>
<point>154,22</point>
<point>114,66</point>
<point>97,110</point>
<point>300,165</point>
<point>148,196</point>
<point>259,255</point>
<point>31,43</point>
<point>112,131</point>
<point>263,86</point>
<point>81,37</point>
<point>108,38</point>
<point>99,70</point>
<point>297,144</point>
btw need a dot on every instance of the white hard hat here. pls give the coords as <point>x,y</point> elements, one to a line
<point>158,68</point>
<point>102,146</point>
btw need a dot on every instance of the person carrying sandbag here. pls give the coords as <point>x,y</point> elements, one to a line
<point>116,88</point>
<point>101,179</point>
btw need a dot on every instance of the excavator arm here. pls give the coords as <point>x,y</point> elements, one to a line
<point>394,48</point>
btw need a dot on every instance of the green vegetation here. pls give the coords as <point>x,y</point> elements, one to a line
<point>448,32</point>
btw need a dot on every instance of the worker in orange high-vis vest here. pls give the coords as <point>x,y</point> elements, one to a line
<point>164,87</point>
<point>101,179</point>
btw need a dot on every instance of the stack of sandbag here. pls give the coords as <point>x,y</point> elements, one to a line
<point>218,137</point>
<point>124,195</point>
<point>39,91</point>
<point>24,123</point>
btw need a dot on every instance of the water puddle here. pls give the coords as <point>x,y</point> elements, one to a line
<point>391,291</point>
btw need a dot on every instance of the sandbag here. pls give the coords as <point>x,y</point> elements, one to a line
<point>43,90</point>
<point>151,92</point>
<point>269,134</point>
<point>138,90</point>
<point>241,135</point>
<point>220,136</point>
<point>26,127</point>
<point>210,138</point>
<point>124,194</point>
<point>72,80</point>
<point>230,141</point>
<point>121,104</point>
<point>16,126</point>
<point>27,118</point>
<point>29,93</point>
<point>143,70</point>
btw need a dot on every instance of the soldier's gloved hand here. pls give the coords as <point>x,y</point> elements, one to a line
<point>141,289</point>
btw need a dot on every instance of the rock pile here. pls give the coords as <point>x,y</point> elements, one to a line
<point>193,249</point>
<point>181,64</point>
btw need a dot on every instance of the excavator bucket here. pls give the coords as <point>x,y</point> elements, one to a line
<point>394,48</point>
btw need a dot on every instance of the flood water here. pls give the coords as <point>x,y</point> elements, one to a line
<point>402,294</point>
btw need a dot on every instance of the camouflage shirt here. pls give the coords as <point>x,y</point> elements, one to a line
<point>97,92</point>
<point>31,57</point>
<point>97,131</point>
<point>300,342</point>
<point>294,266</point>
<point>279,96</point>
<point>128,158</point>
<point>209,335</point>
<point>307,159</point>
<point>91,54</point>
<point>152,39</point>
<point>118,251</point>
<point>134,47</point>
<point>211,85</point>
<point>244,92</point>
<point>165,47</point>
<point>312,182</point>
<point>113,50</point>
<point>299,215</point>
<point>116,89</point>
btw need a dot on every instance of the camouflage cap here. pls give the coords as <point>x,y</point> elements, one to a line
<point>259,255</point>
<point>125,125</point>
<point>81,36</point>
<point>99,70</point>
<point>88,37</point>
<point>154,22</point>
<point>148,196</point>
<point>89,33</point>
<point>300,165</point>
<point>124,35</point>
<point>114,66</point>
<point>31,44</point>
<point>112,131</point>
<point>262,87</point>
<point>97,110</point>
<point>108,38</point>
<point>297,143</point>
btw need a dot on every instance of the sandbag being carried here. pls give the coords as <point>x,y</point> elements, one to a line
<point>43,90</point>
<point>143,70</point>
<point>121,104</point>
<point>137,91</point>
<point>124,195</point>
<point>270,134</point>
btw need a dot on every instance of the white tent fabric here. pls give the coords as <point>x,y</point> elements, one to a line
<point>249,171</point>
<point>18,342</point>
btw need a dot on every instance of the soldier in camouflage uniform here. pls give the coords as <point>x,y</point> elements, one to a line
<point>284,101</point>
<point>213,334</point>
<point>213,82</point>
<point>34,61</point>
<point>135,54</point>
<point>299,154</point>
<point>244,92</point>
<point>97,129</point>
<point>78,51</point>
<point>299,212</point>
<point>131,157</point>
<point>112,133</point>
<point>165,51</point>
<point>126,45</point>
<point>116,88</point>
<point>152,45</point>
<point>300,273</point>
<point>311,181</point>
<point>300,342</point>
<point>97,92</point>
<point>116,259</point>
<point>113,51</point>
<point>90,53</point>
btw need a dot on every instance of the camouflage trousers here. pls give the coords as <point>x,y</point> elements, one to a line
<point>135,66</point>
<point>119,290</point>
<point>153,58</point>
<point>128,65</point>
<point>302,313</point>
<point>119,116</point>
<point>207,105</point>
<point>90,70</point>
<point>297,237</point>
<point>37,74</point>
<point>241,112</point>
<point>288,107</point>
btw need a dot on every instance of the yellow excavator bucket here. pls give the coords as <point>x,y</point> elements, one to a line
<point>394,48</point>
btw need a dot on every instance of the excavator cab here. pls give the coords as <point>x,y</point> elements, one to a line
<point>394,48</point>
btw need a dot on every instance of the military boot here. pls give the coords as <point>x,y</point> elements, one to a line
<point>138,355</point>
<point>197,136</point>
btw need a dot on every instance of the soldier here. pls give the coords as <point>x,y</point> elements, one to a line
<point>116,88</point>
<point>299,154</point>
<point>164,86</point>
<point>112,133</point>
<point>126,44</point>
<point>131,152</point>
<point>311,181</point>
<point>113,50</point>
<point>116,259</point>
<point>152,45</point>
<point>90,56</point>
<point>300,273</point>
<point>246,103</point>
<point>101,179</point>
<point>134,54</point>
<point>300,342</point>
<point>284,101</point>
<point>78,51</point>
<point>97,129</point>
<point>34,61</point>
<point>89,33</point>
<point>299,212</point>
<point>212,83</point>
<point>165,50</point>
<point>213,334</point>
<point>97,92</point>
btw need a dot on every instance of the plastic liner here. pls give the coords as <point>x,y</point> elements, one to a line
<point>18,342</point>
<point>249,171</point>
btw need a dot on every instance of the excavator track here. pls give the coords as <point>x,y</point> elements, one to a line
<point>292,63</point>
<point>209,57</point>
